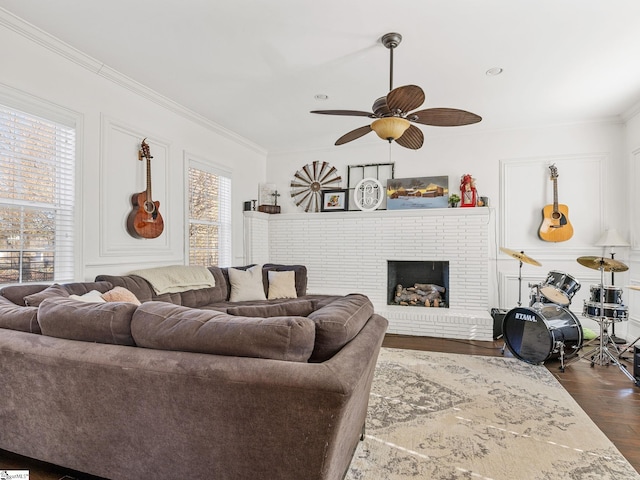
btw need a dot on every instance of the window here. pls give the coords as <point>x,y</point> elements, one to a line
<point>37,166</point>
<point>209,216</point>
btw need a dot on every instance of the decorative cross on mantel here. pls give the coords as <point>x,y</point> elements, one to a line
<point>275,196</point>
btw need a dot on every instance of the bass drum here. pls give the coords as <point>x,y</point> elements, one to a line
<point>536,334</point>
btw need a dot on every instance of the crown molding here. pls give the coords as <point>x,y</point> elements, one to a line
<point>57,46</point>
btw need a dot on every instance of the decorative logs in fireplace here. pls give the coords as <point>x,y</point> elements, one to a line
<point>421,294</point>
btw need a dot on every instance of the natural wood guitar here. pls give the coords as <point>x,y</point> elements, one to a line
<point>145,220</point>
<point>555,226</point>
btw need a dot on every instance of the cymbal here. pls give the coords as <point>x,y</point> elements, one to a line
<point>521,256</point>
<point>607,264</point>
<point>634,287</point>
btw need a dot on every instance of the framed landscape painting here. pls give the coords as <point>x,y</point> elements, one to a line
<point>417,192</point>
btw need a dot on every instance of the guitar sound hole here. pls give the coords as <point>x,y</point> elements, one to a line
<point>149,207</point>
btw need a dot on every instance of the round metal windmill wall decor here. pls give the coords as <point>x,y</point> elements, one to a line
<point>308,183</point>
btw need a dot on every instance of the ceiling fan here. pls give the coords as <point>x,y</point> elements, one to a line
<point>394,115</point>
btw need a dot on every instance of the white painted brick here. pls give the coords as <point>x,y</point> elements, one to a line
<point>348,252</point>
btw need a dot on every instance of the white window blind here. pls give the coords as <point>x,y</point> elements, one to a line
<point>209,217</point>
<point>37,165</point>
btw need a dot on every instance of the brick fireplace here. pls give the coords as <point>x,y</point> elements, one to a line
<point>347,252</point>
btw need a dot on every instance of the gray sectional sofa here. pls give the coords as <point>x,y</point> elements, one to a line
<point>187,384</point>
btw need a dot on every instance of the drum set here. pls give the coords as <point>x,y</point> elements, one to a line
<point>548,329</point>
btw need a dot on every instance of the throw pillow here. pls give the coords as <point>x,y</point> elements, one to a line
<point>35,299</point>
<point>282,284</point>
<point>93,296</point>
<point>246,284</point>
<point>120,294</point>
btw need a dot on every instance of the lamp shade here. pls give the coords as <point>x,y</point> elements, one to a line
<point>390,128</point>
<point>611,238</point>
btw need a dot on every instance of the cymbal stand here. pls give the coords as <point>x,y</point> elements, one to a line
<point>520,284</point>
<point>601,354</point>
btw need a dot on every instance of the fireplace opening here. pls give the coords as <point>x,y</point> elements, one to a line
<point>418,283</point>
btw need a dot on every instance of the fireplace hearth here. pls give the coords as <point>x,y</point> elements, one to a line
<point>421,283</point>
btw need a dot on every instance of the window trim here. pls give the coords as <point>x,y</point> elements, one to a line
<point>208,166</point>
<point>20,100</point>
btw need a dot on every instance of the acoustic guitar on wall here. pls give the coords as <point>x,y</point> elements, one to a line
<point>555,226</point>
<point>145,220</point>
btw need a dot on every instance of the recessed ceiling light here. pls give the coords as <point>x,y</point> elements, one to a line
<point>321,96</point>
<point>492,72</point>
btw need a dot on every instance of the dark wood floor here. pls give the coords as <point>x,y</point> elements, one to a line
<point>608,396</point>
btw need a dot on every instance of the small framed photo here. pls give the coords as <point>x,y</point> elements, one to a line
<point>335,200</point>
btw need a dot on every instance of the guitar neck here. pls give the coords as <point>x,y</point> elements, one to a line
<point>555,194</point>
<point>149,179</point>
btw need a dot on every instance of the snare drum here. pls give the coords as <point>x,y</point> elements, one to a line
<point>559,288</point>
<point>612,311</point>
<point>608,294</point>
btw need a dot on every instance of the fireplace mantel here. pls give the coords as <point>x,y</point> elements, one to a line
<point>347,252</point>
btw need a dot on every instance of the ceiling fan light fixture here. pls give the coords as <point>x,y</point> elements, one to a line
<point>390,128</point>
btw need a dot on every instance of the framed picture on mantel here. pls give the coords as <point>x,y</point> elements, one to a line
<point>335,200</point>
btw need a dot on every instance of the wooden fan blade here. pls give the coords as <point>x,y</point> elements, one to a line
<point>412,138</point>
<point>353,135</point>
<point>444,117</point>
<point>404,99</point>
<point>350,113</point>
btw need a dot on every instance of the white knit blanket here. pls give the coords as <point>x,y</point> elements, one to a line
<point>176,278</point>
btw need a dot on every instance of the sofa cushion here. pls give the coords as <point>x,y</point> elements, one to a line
<point>136,285</point>
<point>246,284</point>
<point>207,296</point>
<point>295,308</point>
<point>56,290</point>
<point>108,322</point>
<point>17,317</point>
<point>164,326</point>
<point>281,284</point>
<point>337,323</point>
<point>16,293</point>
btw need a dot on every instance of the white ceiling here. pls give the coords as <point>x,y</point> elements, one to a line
<point>254,66</point>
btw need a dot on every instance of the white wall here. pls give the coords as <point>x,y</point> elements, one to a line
<point>632,169</point>
<point>592,182</point>
<point>116,114</point>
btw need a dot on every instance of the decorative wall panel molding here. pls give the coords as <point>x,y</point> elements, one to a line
<point>525,188</point>
<point>122,175</point>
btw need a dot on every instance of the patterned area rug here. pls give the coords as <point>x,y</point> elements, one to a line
<point>441,416</point>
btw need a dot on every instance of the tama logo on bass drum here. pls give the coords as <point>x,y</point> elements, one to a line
<point>524,316</point>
